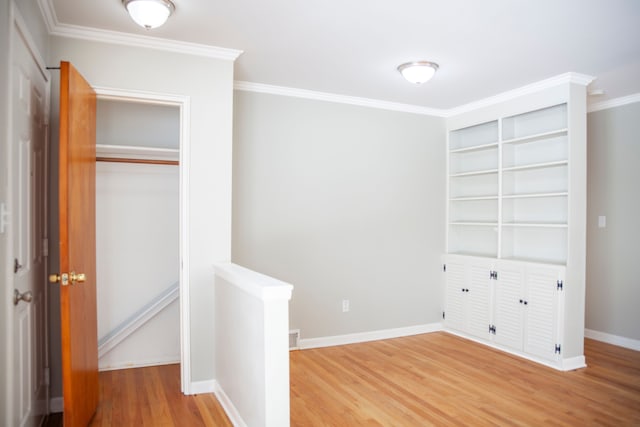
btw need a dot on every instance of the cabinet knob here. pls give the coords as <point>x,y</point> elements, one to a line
<point>525,303</point>
<point>521,301</point>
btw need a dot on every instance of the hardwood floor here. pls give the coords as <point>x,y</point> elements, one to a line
<point>440,379</point>
<point>431,379</point>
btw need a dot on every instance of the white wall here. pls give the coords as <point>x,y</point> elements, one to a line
<point>344,202</point>
<point>613,270</point>
<point>209,85</point>
<point>137,251</point>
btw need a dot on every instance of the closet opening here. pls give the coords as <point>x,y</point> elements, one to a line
<point>139,231</point>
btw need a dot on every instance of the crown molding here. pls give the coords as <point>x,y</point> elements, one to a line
<point>340,99</point>
<point>612,103</point>
<point>576,78</point>
<point>115,37</point>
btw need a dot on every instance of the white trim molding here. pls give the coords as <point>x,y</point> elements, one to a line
<point>229,408</point>
<point>625,342</point>
<point>56,405</point>
<point>184,103</point>
<point>140,364</point>
<point>577,78</point>
<point>369,336</point>
<point>561,79</point>
<point>202,387</point>
<point>340,99</point>
<point>56,28</point>
<point>612,103</point>
<point>137,152</point>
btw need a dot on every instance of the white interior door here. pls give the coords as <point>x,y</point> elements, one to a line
<point>28,200</point>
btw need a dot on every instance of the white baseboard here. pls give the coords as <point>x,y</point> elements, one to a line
<point>625,342</point>
<point>229,407</point>
<point>139,364</point>
<point>56,405</point>
<point>202,387</point>
<point>573,363</point>
<point>369,336</point>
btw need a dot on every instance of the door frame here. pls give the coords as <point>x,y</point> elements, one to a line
<point>183,103</point>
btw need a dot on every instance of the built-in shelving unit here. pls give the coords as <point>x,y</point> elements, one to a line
<point>516,187</point>
<point>508,177</point>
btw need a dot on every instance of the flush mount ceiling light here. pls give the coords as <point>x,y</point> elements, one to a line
<point>149,13</point>
<point>418,72</point>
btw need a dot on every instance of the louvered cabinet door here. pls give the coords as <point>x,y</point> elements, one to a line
<point>455,298</point>
<point>509,306</point>
<point>479,301</point>
<point>542,312</point>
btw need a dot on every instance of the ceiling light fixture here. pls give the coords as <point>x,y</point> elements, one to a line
<point>149,13</point>
<point>418,72</point>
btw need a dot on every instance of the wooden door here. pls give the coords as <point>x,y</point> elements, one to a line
<point>77,162</point>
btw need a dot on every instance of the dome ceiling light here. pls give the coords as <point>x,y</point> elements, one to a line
<point>149,13</point>
<point>418,72</point>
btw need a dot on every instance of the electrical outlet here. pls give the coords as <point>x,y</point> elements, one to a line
<point>345,305</point>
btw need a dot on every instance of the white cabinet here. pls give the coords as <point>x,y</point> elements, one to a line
<point>510,304</point>
<point>526,307</point>
<point>468,296</point>
<point>516,208</point>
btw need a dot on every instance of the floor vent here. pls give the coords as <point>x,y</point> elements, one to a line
<point>294,337</point>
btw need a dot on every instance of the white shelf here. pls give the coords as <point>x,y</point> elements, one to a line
<point>536,166</point>
<point>474,148</point>
<point>535,224</point>
<point>474,198</point>
<point>475,224</point>
<point>473,173</point>
<point>534,195</point>
<point>537,137</point>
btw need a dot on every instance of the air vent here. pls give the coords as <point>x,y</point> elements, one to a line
<point>294,337</point>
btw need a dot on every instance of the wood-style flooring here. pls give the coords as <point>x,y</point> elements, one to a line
<point>432,379</point>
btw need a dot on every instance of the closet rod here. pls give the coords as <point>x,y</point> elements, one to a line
<point>145,161</point>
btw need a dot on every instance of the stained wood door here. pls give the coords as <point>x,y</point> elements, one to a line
<point>79,332</point>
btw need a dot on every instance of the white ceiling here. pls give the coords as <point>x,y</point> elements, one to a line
<point>352,47</point>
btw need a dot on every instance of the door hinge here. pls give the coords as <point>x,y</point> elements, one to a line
<point>493,275</point>
<point>47,376</point>
<point>45,247</point>
<point>492,329</point>
<point>558,349</point>
<point>560,285</point>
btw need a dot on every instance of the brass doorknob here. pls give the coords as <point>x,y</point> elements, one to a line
<point>67,278</point>
<point>79,277</point>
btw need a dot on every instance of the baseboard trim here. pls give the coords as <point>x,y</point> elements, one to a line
<point>56,405</point>
<point>559,365</point>
<point>142,364</point>
<point>202,387</point>
<point>573,363</point>
<point>368,336</point>
<point>625,342</point>
<point>229,408</point>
